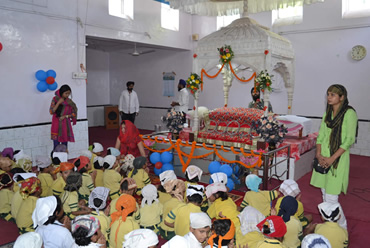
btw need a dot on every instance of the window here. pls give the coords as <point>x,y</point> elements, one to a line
<point>121,8</point>
<point>169,17</point>
<point>287,16</point>
<point>223,21</point>
<point>355,8</point>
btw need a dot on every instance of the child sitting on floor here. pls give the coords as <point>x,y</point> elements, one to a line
<point>17,199</point>
<point>6,196</point>
<point>163,178</point>
<point>274,229</point>
<point>45,166</point>
<point>111,177</point>
<point>81,166</point>
<point>248,233</point>
<point>193,175</point>
<point>151,209</point>
<point>97,149</point>
<point>139,174</point>
<point>223,232</point>
<point>65,169</point>
<point>259,199</point>
<point>86,232</point>
<point>200,226</point>
<point>98,167</point>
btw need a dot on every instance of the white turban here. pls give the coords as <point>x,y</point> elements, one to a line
<point>177,242</point>
<point>140,238</point>
<point>195,189</point>
<point>315,241</point>
<point>167,176</point>
<point>100,160</point>
<point>249,218</point>
<point>110,159</point>
<point>97,147</point>
<point>45,208</point>
<point>289,187</point>
<point>21,155</point>
<point>86,153</point>
<point>194,171</point>
<point>98,193</point>
<point>149,193</point>
<point>214,188</point>
<point>42,161</point>
<point>330,211</point>
<point>29,240</point>
<point>199,220</point>
<point>219,177</point>
<point>63,156</point>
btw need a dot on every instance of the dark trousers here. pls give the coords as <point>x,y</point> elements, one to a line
<point>130,117</point>
<point>56,143</point>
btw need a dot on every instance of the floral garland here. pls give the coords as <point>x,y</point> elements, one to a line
<point>263,81</point>
<point>270,129</point>
<point>226,54</point>
<point>194,82</point>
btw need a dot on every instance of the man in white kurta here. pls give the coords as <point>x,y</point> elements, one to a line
<point>129,103</point>
<point>182,104</point>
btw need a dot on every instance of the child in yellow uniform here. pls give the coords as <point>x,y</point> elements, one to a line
<point>223,232</point>
<point>165,177</point>
<point>81,165</point>
<point>221,205</point>
<point>193,175</point>
<point>274,229</point>
<point>98,203</point>
<point>30,191</point>
<point>45,166</point>
<point>248,233</point>
<point>151,209</point>
<point>179,217</point>
<point>337,235</point>
<point>98,166</point>
<point>259,199</point>
<point>111,177</point>
<point>5,165</point>
<point>122,220</point>
<point>6,196</point>
<point>176,188</point>
<point>70,196</point>
<point>139,174</point>
<point>17,198</point>
<point>65,169</point>
<point>287,210</point>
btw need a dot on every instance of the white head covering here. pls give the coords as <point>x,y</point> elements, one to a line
<point>330,211</point>
<point>167,176</point>
<point>149,193</point>
<point>315,241</point>
<point>200,220</point>
<point>249,218</point>
<point>114,151</point>
<point>177,242</point>
<point>214,188</point>
<point>128,162</point>
<point>219,177</point>
<point>98,193</point>
<point>289,187</point>
<point>194,171</point>
<point>21,155</point>
<point>63,156</point>
<point>42,161</point>
<point>100,160</point>
<point>110,159</point>
<point>23,175</point>
<point>86,153</point>
<point>140,238</point>
<point>97,147</point>
<point>195,189</point>
<point>45,208</point>
<point>29,240</point>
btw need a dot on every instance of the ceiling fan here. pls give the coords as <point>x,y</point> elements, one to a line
<point>137,53</point>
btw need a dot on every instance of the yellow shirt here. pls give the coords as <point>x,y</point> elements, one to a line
<point>46,184</point>
<point>251,239</point>
<point>151,215</point>
<point>16,204</point>
<point>92,164</point>
<point>24,217</point>
<point>141,178</point>
<point>99,179</point>
<point>104,223</point>
<point>205,201</point>
<point>294,232</point>
<point>337,236</point>
<point>16,187</point>
<point>70,203</point>
<point>58,186</point>
<point>111,180</point>
<point>136,215</point>
<point>167,207</point>
<point>270,243</point>
<point>6,196</point>
<point>164,197</point>
<point>260,200</point>
<point>181,217</point>
<point>87,186</point>
<point>127,226</point>
<point>300,211</point>
<point>228,209</point>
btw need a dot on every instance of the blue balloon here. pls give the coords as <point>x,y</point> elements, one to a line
<point>226,169</point>
<point>41,75</point>
<point>42,86</point>
<point>210,181</point>
<point>51,73</point>
<point>230,184</point>
<point>155,157</point>
<point>157,171</point>
<point>53,86</point>
<point>214,167</point>
<point>166,157</point>
<point>167,167</point>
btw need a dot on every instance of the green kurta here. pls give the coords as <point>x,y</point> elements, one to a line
<point>337,183</point>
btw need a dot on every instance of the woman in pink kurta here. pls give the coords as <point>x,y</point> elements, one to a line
<point>64,112</point>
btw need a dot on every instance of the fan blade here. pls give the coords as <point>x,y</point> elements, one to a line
<point>148,51</point>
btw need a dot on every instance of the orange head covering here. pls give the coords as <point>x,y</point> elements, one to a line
<point>81,162</point>
<point>228,236</point>
<point>64,167</point>
<point>30,186</point>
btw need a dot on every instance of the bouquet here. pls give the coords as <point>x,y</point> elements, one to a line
<point>270,129</point>
<point>226,54</point>
<point>175,121</point>
<point>263,81</point>
<point>193,83</point>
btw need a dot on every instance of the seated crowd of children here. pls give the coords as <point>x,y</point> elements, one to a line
<point>109,201</point>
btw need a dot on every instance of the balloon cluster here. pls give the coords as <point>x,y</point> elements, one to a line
<point>230,170</point>
<point>46,80</point>
<point>162,162</point>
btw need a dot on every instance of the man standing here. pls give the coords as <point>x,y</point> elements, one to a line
<point>257,102</point>
<point>129,103</point>
<point>183,100</point>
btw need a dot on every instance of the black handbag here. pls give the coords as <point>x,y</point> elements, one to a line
<point>318,168</point>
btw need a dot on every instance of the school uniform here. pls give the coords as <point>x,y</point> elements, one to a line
<point>337,236</point>
<point>141,178</point>
<point>270,243</point>
<point>150,216</point>
<point>99,179</point>
<point>46,184</point>
<point>24,216</point>
<point>163,197</point>
<point>204,206</point>
<point>299,214</point>
<point>228,209</point>
<point>70,203</point>
<point>260,200</point>
<point>181,217</point>
<point>165,231</point>
<point>251,239</point>
<point>104,223</point>
<point>58,186</point>
<point>293,234</point>
<point>136,214</point>
<point>112,181</point>
<point>87,186</point>
<point>6,196</point>
<point>16,204</point>
<point>126,226</point>
<point>56,236</point>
